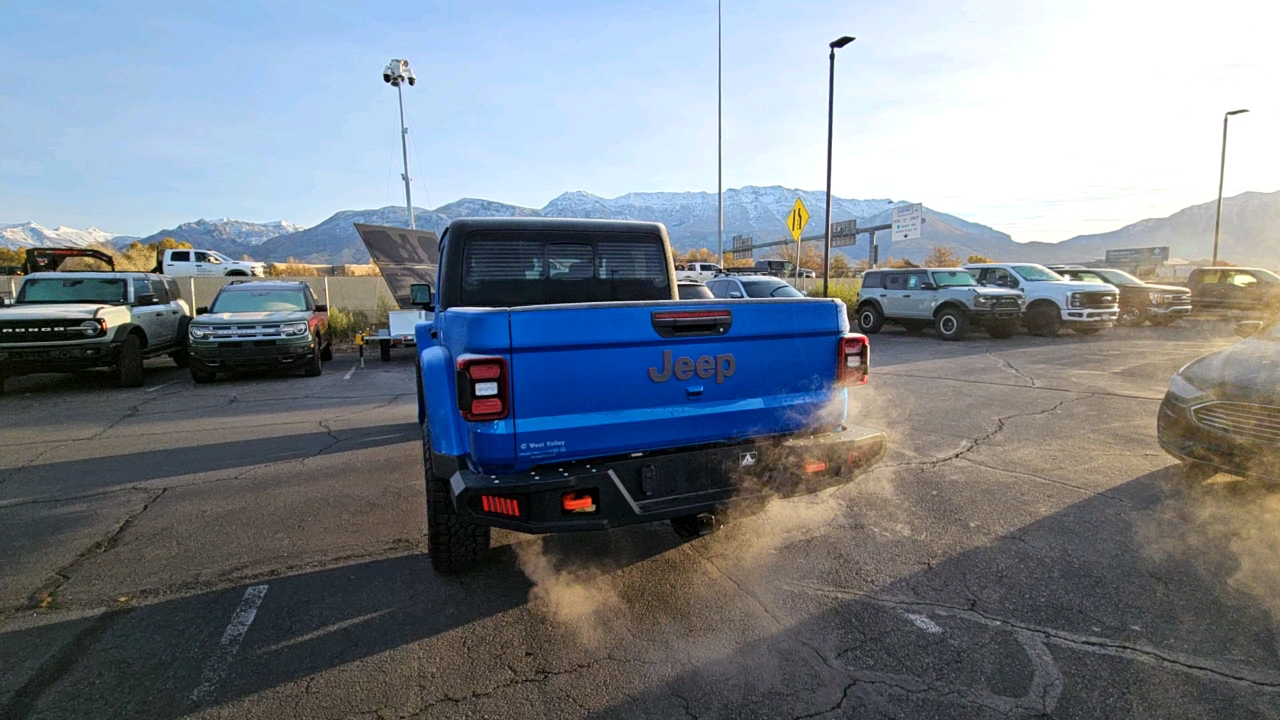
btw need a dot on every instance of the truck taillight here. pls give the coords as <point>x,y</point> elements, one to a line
<point>482,388</point>
<point>854,360</point>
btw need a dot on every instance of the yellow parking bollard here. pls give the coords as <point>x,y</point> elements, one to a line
<point>360,345</point>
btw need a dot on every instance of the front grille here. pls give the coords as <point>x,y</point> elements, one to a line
<point>1252,422</point>
<point>247,332</point>
<point>1183,299</point>
<point>1097,299</point>
<point>1007,303</point>
<point>28,331</point>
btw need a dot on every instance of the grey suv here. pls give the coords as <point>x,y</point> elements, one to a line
<point>949,299</point>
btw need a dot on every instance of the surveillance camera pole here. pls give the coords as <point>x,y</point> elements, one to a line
<point>404,149</point>
<point>1222,174</point>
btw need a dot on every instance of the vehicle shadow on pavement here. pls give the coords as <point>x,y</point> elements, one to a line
<point>147,661</point>
<point>1104,609</point>
<point>75,477</point>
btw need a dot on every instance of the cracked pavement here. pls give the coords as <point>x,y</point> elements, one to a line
<point>1024,550</point>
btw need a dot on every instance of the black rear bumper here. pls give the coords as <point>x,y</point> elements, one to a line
<point>663,485</point>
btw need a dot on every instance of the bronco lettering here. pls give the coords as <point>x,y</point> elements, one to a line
<point>683,368</point>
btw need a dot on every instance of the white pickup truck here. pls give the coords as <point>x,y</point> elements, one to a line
<point>207,263</point>
<point>700,271</point>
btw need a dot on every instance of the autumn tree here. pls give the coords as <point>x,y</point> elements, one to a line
<point>12,256</point>
<point>973,259</point>
<point>840,266</point>
<point>899,263</point>
<point>697,255</point>
<point>941,256</point>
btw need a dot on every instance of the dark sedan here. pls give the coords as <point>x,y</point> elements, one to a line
<point>1222,411</point>
<point>1140,302</point>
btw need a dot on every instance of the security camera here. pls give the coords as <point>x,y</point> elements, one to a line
<point>386,77</point>
<point>412,80</point>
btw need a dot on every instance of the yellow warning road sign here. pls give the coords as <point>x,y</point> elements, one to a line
<point>797,219</point>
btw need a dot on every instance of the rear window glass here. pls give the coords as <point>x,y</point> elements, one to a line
<point>509,269</point>
<point>873,280</point>
<point>769,289</point>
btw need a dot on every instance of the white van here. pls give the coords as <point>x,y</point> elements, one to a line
<point>208,263</point>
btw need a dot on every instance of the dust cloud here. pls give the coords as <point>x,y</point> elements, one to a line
<point>579,599</point>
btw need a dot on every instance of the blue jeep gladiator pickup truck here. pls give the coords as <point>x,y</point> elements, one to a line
<point>564,386</point>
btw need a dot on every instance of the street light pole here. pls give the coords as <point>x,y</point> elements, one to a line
<point>1222,172</point>
<point>397,73</point>
<point>831,101</point>
<point>720,130</point>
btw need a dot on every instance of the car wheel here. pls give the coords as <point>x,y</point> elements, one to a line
<point>129,362</point>
<point>384,350</point>
<point>870,319</point>
<point>1131,317</point>
<point>454,544</point>
<point>1044,321</point>
<point>327,353</point>
<point>1002,329</point>
<point>315,366</point>
<point>952,324</point>
<point>201,377</point>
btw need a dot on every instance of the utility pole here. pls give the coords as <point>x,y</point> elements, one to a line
<point>720,129</point>
<point>397,73</point>
<point>1222,173</point>
<point>831,102</point>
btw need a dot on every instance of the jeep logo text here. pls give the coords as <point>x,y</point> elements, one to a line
<point>722,366</point>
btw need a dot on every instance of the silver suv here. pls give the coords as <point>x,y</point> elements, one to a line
<point>949,299</point>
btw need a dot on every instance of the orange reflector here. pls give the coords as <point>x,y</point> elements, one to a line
<point>500,505</point>
<point>813,466</point>
<point>573,503</point>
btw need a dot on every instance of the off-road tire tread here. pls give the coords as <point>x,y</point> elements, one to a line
<point>128,368</point>
<point>454,544</point>
<point>1053,324</point>
<point>962,324</point>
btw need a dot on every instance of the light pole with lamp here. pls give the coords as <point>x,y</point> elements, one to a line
<point>397,73</point>
<point>831,101</point>
<point>1222,172</point>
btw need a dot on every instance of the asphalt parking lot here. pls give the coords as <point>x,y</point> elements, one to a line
<point>254,549</point>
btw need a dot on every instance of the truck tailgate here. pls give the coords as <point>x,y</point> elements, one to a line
<point>598,380</point>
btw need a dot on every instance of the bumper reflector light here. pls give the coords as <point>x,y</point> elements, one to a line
<point>572,502</point>
<point>500,505</point>
<point>813,466</point>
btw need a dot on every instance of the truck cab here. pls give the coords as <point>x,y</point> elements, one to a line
<point>207,263</point>
<point>564,386</point>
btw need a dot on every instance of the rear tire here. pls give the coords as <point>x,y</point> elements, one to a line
<point>327,354</point>
<point>1044,321</point>
<point>870,319</point>
<point>1002,329</point>
<point>384,349</point>
<point>454,544</point>
<point>129,362</point>
<point>952,324</point>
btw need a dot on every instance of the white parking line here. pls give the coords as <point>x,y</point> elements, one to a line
<point>162,385</point>
<point>351,372</point>
<point>231,638</point>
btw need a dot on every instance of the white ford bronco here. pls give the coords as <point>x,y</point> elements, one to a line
<point>67,321</point>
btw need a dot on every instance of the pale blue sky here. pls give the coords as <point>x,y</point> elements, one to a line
<point>1042,120</point>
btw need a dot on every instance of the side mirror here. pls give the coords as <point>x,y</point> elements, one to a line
<point>422,295</point>
<point>1248,328</point>
<point>735,295</point>
<point>202,310</point>
<point>321,307</point>
<point>928,286</point>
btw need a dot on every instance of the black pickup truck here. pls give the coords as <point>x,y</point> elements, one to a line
<point>1140,302</point>
<point>1234,290</point>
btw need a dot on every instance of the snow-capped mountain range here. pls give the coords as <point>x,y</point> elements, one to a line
<point>29,234</point>
<point>1251,224</point>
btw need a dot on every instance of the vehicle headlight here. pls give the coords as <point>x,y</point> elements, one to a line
<point>199,332</point>
<point>1158,297</point>
<point>1075,300</point>
<point>983,301</point>
<point>92,328</point>
<point>1183,389</point>
<point>294,329</point>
